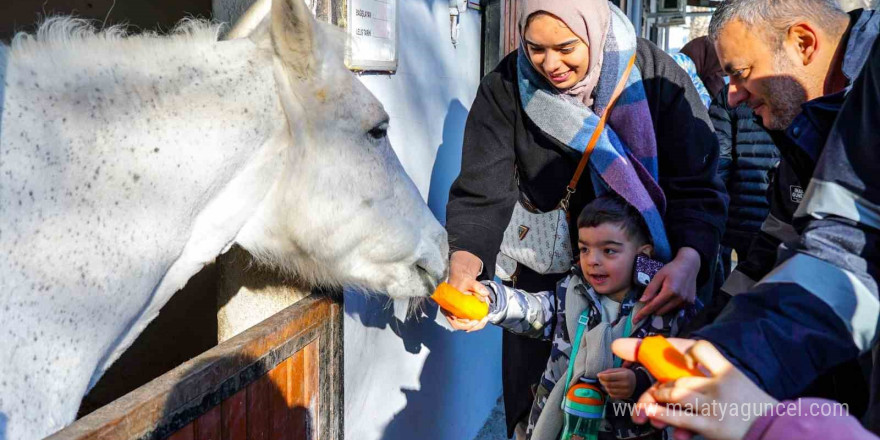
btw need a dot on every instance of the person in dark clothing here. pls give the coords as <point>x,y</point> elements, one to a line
<point>801,131</point>
<point>502,137</point>
<point>820,307</point>
<point>794,64</point>
<point>748,155</point>
<point>702,52</point>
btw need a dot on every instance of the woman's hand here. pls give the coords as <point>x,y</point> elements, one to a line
<point>674,285</point>
<point>464,268</point>
<point>723,406</point>
<point>620,383</point>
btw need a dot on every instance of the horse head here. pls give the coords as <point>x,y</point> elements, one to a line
<point>343,211</point>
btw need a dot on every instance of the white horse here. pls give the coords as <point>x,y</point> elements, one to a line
<point>129,163</point>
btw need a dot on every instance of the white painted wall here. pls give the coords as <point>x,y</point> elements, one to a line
<point>415,379</point>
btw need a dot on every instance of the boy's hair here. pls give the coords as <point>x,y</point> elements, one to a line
<point>613,209</point>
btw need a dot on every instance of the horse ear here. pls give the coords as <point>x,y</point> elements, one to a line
<point>293,37</point>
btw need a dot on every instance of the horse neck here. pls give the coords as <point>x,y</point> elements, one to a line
<point>186,93</point>
<point>93,128</point>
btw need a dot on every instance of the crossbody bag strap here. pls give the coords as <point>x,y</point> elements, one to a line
<point>569,190</point>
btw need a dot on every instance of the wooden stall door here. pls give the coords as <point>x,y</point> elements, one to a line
<point>279,380</point>
<point>280,405</point>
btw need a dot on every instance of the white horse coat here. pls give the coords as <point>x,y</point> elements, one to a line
<point>129,163</point>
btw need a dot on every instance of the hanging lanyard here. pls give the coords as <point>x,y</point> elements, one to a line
<point>583,319</point>
<point>627,331</point>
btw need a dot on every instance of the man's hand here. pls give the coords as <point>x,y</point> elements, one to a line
<point>726,388</point>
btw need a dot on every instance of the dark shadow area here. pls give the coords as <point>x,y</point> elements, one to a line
<point>185,328</point>
<point>4,61</point>
<point>377,312</point>
<point>447,163</point>
<point>157,15</point>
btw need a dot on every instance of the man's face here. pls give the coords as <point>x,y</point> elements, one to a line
<point>766,78</point>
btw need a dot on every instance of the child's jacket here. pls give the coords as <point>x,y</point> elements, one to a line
<point>543,315</point>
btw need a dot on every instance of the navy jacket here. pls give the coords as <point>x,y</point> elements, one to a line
<point>799,146</point>
<point>819,307</point>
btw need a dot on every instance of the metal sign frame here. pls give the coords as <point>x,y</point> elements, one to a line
<point>363,18</point>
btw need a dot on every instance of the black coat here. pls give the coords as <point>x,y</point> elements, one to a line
<point>499,136</point>
<point>748,154</point>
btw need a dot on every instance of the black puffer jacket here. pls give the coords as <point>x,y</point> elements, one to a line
<point>747,156</point>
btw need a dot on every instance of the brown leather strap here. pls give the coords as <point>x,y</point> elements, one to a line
<point>596,133</point>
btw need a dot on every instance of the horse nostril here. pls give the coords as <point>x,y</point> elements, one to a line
<point>432,274</point>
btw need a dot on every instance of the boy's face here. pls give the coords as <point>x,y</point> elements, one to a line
<point>607,256</point>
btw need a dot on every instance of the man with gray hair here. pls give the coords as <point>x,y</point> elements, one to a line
<point>794,63</point>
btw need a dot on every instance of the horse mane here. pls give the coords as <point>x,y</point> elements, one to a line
<point>60,34</point>
<point>63,32</point>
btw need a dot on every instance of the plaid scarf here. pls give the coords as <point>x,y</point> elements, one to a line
<point>625,157</point>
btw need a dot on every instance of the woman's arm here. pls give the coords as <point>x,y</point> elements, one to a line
<point>481,199</point>
<point>688,152</point>
<point>696,208</point>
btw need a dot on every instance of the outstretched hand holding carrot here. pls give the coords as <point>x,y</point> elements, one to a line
<point>692,404</point>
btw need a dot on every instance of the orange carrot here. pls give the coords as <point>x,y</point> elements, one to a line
<point>663,360</point>
<point>459,304</point>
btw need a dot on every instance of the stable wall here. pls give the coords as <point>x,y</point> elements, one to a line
<point>413,379</point>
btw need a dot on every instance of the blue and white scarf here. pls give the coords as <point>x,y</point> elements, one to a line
<point>625,157</point>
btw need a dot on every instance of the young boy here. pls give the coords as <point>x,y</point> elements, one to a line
<point>611,234</point>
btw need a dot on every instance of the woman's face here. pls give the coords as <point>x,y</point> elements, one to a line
<point>555,51</point>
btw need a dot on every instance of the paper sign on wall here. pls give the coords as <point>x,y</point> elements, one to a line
<point>372,28</point>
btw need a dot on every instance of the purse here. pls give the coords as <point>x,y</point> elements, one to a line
<point>541,240</point>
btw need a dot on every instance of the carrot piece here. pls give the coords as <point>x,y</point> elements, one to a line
<point>459,304</point>
<point>663,360</point>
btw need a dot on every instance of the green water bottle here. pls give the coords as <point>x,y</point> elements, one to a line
<point>584,409</point>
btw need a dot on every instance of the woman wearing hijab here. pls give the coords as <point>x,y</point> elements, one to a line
<point>532,116</point>
<point>702,52</point>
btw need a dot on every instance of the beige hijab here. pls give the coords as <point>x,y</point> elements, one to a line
<point>589,20</point>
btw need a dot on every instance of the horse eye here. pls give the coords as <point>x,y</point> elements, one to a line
<point>379,131</point>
